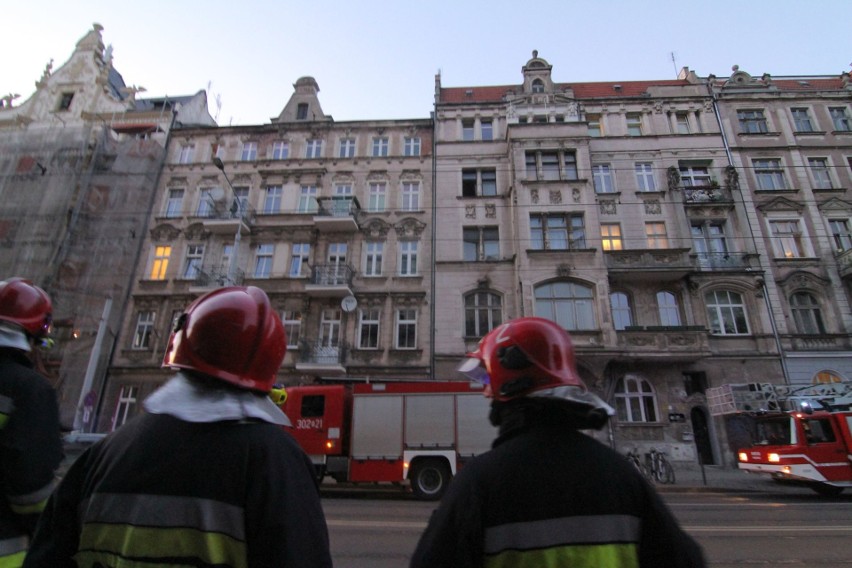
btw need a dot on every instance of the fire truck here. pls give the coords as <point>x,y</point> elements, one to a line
<point>799,434</point>
<point>416,434</point>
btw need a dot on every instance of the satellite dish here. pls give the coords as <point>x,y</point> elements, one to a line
<point>217,194</point>
<point>348,303</point>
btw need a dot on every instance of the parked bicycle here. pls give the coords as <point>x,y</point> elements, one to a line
<point>633,457</point>
<point>658,467</point>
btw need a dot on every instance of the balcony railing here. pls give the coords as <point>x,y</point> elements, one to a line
<point>216,277</point>
<point>844,263</point>
<point>330,280</point>
<point>665,343</point>
<point>701,195</point>
<point>321,358</point>
<point>337,213</point>
<point>222,220</point>
<point>723,260</point>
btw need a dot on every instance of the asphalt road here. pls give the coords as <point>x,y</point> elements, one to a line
<point>381,529</point>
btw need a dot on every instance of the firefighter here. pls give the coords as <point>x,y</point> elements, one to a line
<point>30,442</point>
<point>206,476</point>
<point>547,494</point>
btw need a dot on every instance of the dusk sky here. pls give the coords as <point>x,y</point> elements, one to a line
<point>378,59</point>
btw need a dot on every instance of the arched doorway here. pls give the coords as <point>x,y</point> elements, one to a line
<point>701,431</point>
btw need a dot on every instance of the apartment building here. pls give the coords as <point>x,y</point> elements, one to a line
<point>331,219</point>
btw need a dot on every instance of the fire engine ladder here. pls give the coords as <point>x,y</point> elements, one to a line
<point>768,397</point>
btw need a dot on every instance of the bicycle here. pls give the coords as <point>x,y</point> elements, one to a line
<point>633,457</point>
<point>658,467</point>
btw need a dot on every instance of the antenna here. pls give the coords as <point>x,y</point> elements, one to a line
<point>674,63</point>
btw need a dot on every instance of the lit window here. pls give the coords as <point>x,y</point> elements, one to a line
<point>161,262</point>
<point>655,232</point>
<point>483,311</point>
<point>569,304</point>
<point>635,400</point>
<point>726,313</point>
<point>787,239</point>
<point>611,236</point>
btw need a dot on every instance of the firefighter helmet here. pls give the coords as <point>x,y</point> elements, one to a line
<point>530,356</point>
<point>25,304</point>
<point>231,334</point>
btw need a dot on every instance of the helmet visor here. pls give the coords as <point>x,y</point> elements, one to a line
<point>472,368</point>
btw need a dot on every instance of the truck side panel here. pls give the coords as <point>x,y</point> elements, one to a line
<point>377,427</point>
<point>429,421</point>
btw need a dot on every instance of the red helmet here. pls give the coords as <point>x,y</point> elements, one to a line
<point>232,334</point>
<point>25,304</point>
<point>523,356</point>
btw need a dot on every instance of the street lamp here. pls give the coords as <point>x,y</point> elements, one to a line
<point>232,264</point>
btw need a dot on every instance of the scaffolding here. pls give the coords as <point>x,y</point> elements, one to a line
<point>768,397</point>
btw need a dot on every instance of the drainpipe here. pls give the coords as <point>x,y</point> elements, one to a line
<point>434,239</point>
<point>765,291</point>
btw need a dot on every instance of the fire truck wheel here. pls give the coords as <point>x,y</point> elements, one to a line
<point>827,490</point>
<point>430,478</point>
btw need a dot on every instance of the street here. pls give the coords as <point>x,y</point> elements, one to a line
<point>380,530</point>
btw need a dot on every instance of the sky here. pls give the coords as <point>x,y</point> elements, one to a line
<point>377,59</point>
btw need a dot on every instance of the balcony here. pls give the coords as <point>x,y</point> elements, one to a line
<point>724,261</point>
<point>706,195</point>
<point>337,214</point>
<point>222,221</point>
<point>321,359</point>
<point>211,277</point>
<point>648,265</point>
<point>683,343</point>
<point>330,281</point>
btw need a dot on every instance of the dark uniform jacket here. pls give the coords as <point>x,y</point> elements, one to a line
<point>30,451</point>
<point>164,491</point>
<point>549,496</point>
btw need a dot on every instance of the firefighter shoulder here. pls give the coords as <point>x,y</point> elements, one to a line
<point>547,494</point>
<point>210,449</point>
<point>30,443</point>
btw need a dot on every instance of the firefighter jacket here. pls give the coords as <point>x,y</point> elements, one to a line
<point>165,490</point>
<point>549,495</point>
<point>30,451</point>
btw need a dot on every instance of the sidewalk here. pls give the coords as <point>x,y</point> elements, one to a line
<point>690,477</point>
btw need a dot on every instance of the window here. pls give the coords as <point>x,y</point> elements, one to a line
<point>280,150</point>
<point>467,130</point>
<point>611,236</point>
<point>635,400</point>
<point>406,329</point>
<point>841,234</point>
<point>174,204</point>
<point>477,182</point>
<point>368,328</point>
<point>667,309</point>
<point>655,232</point>
<point>65,101</point>
<point>819,431</point>
<point>241,195</point>
<point>787,238</point>
<point>161,262</point>
<point>347,148</point>
<point>708,241</point>
<point>411,146</point>
<point>820,173</point>
<point>292,321</point>
<point>551,165</point>
<point>752,121</point>
<point>557,232</point>
<point>299,260</point>
<point>602,176</point>
<point>483,311</point>
<point>486,129</point>
<point>410,196</point>
<point>249,153</point>
<point>302,111</point>
<point>595,127</point>
<point>272,203</point>
<point>308,199</point>
<point>377,200</point>
<point>185,154</point>
<point>806,313</point>
<point>144,330</point>
<point>313,149</point>
<point>645,176</point>
<point>537,86</point>
<point>373,259</point>
<point>329,336</point>
<point>205,203</point>
<point>380,147</point>
<point>769,174</point>
<point>569,165</point>
<point>634,124</point>
<point>569,304</point>
<point>194,257</point>
<point>802,120</point>
<point>263,260</point>
<point>726,313</point>
<point>622,315</point>
<point>840,118</point>
<point>682,123</point>
<point>127,398</point>
<point>694,176</point>
<point>337,269</point>
<point>480,243</point>
<point>408,258</point>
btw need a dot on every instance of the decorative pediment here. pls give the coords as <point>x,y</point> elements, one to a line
<point>410,227</point>
<point>164,232</point>
<point>781,204</point>
<point>835,204</point>
<point>375,228</point>
<point>802,279</point>
<point>196,232</point>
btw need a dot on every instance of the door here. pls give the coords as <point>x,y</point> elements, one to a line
<point>701,431</point>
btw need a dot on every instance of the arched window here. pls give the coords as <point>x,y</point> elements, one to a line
<point>567,303</point>
<point>538,86</point>
<point>824,377</point>
<point>668,309</point>
<point>483,311</point>
<point>635,400</point>
<point>726,313</point>
<point>806,313</point>
<point>622,315</point>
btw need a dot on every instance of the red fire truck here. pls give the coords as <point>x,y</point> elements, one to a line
<point>801,435</point>
<point>417,433</point>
